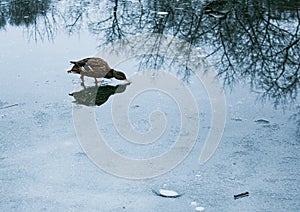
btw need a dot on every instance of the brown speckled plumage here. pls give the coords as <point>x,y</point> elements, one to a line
<point>95,67</point>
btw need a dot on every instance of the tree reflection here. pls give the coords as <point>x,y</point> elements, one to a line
<point>36,16</point>
<point>249,39</point>
<point>26,12</point>
<point>264,48</point>
<point>255,40</point>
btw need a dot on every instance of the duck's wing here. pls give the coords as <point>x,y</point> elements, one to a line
<point>97,66</point>
<point>96,62</point>
<point>93,65</point>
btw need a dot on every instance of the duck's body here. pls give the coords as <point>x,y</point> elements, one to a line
<point>95,67</point>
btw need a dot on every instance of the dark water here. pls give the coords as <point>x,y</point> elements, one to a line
<point>253,45</point>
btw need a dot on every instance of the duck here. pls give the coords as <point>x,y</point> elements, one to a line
<point>97,68</point>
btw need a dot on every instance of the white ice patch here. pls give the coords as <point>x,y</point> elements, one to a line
<point>194,203</point>
<point>162,13</point>
<point>199,208</point>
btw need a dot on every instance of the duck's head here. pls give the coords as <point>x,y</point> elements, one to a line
<point>75,69</point>
<point>119,75</point>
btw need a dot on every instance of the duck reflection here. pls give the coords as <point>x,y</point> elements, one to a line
<point>96,95</point>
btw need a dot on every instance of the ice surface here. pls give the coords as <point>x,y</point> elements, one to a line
<point>42,166</point>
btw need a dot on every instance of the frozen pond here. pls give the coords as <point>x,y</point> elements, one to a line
<point>212,111</point>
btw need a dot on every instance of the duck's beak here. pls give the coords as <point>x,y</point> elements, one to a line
<point>127,81</point>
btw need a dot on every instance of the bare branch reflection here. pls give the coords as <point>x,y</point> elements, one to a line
<point>253,40</point>
<point>38,17</point>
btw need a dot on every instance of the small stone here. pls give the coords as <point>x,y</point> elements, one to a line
<point>167,193</point>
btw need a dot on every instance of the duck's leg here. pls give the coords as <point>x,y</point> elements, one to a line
<point>83,85</point>
<point>82,78</point>
<point>97,81</point>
